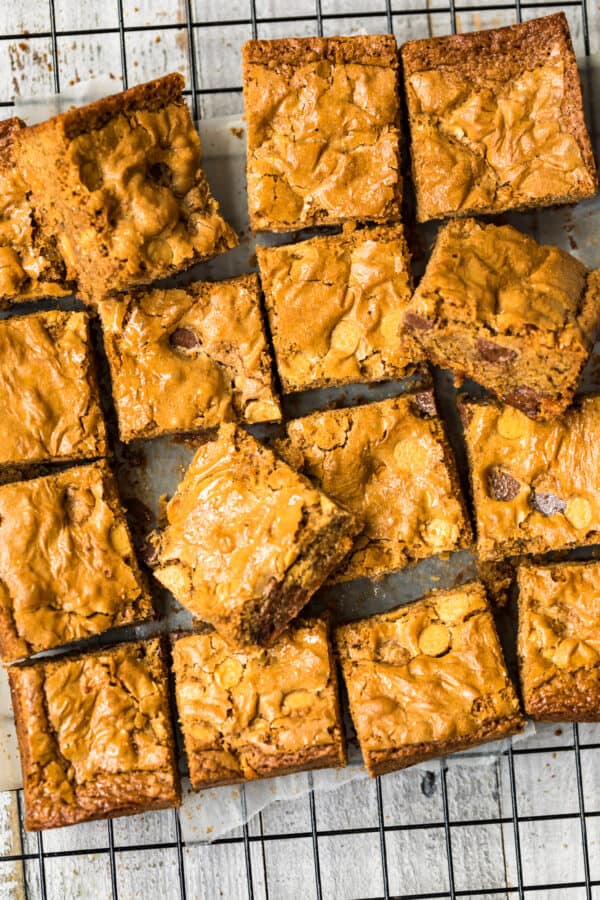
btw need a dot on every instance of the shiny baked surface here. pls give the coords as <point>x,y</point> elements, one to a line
<point>120,183</point>
<point>323,138</point>
<point>518,317</point>
<point>427,679</point>
<point>335,307</point>
<point>95,735</point>
<point>390,464</point>
<point>559,640</point>
<point>187,359</point>
<point>48,390</point>
<point>535,484</point>
<point>256,713</point>
<point>496,120</point>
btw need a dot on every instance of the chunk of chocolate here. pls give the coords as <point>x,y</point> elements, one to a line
<point>495,353</point>
<point>184,338</point>
<point>424,404</point>
<point>501,484</point>
<point>416,322</point>
<point>525,399</point>
<point>547,504</point>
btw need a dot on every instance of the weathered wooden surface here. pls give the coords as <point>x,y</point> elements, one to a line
<point>282,866</point>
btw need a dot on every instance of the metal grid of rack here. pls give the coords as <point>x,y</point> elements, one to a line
<point>254,839</point>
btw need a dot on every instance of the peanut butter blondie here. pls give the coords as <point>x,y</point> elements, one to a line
<point>559,641</point>
<point>518,317</point>
<point>30,264</point>
<point>95,735</point>
<point>335,307</point>
<point>67,567</point>
<point>536,485</point>
<point>390,464</point>
<point>323,131</point>
<point>48,390</point>
<point>119,183</point>
<point>496,120</point>
<point>427,679</point>
<point>247,540</point>
<point>186,359</point>
<point>256,713</point>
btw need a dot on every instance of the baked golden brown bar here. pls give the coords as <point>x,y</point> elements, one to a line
<point>536,485</point>
<point>256,713</point>
<point>95,735</point>
<point>517,317</point>
<point>335,307</point>
<point>390,464</point>
<point>187,359</point>
<point>496,120</point>
<point>119,184</point>
<point>427,679</point>
<point>247,540</point>
<point>30,264</point>
<point>323,131</point>
<point>67,567</point>
<point>48,390</point>
<point>559,641</point>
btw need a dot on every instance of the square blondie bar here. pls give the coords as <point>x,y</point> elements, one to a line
<point>30,264</point>
<point>95,735</point>
<point>559,641</point>
<point>496,120</point>
<point>535,485</point>
<point>323,131</point>
<point>390,464</point>
<point>335,307</point>
<point>247,541</point>
<point>427,679</point>
<point>518,317</point>
<point>186,359</point>
<point>48,390</point>
<point>119,183</point>
<point>67,566</point>
<point>257,713</point>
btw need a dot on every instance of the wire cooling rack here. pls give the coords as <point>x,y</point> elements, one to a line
<point>525,824</point>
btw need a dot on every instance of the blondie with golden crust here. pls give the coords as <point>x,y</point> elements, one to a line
<point>390,464</point>
<point>518,317</point>
<point>559,641</point>
<point>536,485</point>
<point>119,184</point>
<point>496,120</point>
<point>427,679</point>
<point>95,735</point>
<point>186,359</point>
<point>67,567</point>
<point>323,131</point>
<point>48,390</point>
<point>247,540</point>
<point>335,307</point>
<point>30,264</point>
<point>256,713</point>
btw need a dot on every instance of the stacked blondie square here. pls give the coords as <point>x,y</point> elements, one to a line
<point>108,199</point>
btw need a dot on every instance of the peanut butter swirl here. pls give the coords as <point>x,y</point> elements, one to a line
<point>559,640</point>
<point>536,485</point>
<point>427,675</point>
<point>254,713</point>
<point>67,566</point>
<point>389,464</point>
<point>187,359</point>
<point>497,120</point>
<point>323,137</point>
<point>48,393</point>
<point>95,735</point>
<point>335,307</point>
